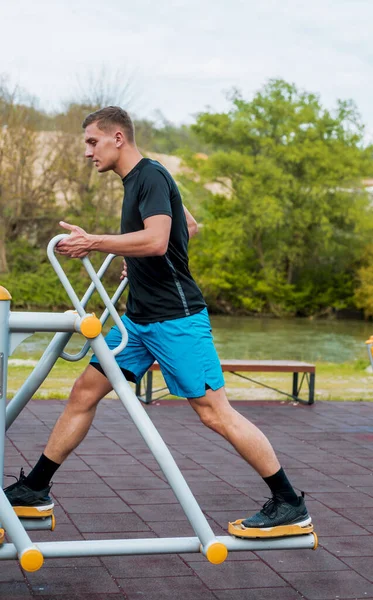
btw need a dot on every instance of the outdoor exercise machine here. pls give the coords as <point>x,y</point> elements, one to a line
<point>16,327</point>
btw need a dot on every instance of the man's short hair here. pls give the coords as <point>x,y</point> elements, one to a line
<point>109,117</point>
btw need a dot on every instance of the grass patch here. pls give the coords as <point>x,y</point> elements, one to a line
<point>340,382</point>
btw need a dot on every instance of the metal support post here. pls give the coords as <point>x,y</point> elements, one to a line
<point>32,321</point>
<point>311,393</point>
<point>149,387</point>
<point>39,374</point>
<point>5,299</point>
<point>215,551</point>
<point>29,555</point>
<point>295,385</point>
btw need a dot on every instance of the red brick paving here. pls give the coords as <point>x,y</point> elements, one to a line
<point>112,487</point>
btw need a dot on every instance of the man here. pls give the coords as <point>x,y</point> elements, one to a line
<point>166,321</point>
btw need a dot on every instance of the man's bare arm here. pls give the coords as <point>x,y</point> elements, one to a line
<point>191,222</point>
<point>151,241</point>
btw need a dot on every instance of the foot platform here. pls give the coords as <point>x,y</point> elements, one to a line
<point>32,512</point>
<point>238,530</point>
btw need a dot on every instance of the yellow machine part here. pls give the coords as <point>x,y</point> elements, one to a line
<point>4,294</point>
<point>31,560</point>
<point>316,540</point>
<point>28,512</point>
<point>90,326</point>
<point>216,553</point>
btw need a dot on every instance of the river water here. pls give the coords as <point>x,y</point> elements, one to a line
<point>335,341</point>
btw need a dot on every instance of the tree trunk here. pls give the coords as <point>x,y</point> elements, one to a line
<point>290,268</point>
<point>3,261</point>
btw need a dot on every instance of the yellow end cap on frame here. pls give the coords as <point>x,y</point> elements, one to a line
<point>53,522</point>
<point>31,560</point>
<point>4,294</point>
<point>216,553</point>
<point>90,326</point>
<point>316,540</point>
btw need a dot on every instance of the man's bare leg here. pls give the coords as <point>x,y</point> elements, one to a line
<point>30,495</point>
<point>73,424</point>
<point>216,413</point>
<point>286,512</point>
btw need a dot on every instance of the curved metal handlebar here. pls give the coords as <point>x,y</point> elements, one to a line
<point>78,305</point>
<point>104,317</point>
<point>123,284</point>
<point>84,300</point>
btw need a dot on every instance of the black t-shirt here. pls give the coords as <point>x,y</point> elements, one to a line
<point>160,287</point>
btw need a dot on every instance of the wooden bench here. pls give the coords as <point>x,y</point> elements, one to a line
<point>237,367</point>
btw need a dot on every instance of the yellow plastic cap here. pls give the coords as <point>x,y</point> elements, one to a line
<point>31,560</point>
<point>53,522</point>
<point>216,553</point>
<point>316,540</point>
<point>90,326</point>
<point>4,294</point>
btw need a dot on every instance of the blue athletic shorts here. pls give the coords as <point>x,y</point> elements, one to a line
<point>183,347</point>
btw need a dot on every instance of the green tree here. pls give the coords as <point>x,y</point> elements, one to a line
<point>364,289</point>
<point>286,232</point>
<point>27,175</point>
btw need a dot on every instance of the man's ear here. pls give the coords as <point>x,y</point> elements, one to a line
<point>119,139</point>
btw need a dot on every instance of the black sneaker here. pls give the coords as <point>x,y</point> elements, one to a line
<point>276,519</point>
<point>27,502</point>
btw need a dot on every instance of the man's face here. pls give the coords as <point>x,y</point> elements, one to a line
<point>101,147</point>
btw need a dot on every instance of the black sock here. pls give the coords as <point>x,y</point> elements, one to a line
<point>41,474</point>
<point>280,486</point>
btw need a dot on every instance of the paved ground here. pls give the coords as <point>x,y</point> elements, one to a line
<point>112,488</point>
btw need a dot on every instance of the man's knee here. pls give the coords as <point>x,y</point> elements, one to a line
<point>81,397</point>
<point>211,416</point>
<point>87,391</point>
